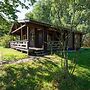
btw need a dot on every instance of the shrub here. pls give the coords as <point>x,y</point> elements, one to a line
<point>5,40</point>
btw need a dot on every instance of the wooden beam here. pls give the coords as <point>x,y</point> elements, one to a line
<point>28,40</point>
<point>36,37</point>
<point>21,35</point>
<point>19,28</point>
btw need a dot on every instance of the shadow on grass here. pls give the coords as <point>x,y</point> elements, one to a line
<point>40,75</point>
<point>32,76</point>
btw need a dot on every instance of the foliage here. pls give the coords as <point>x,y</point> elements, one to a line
<point>5,40</point>
<point>45,73</point>
<point>41,11</point>
<point>73,14</point>
<point>86,42</point>
<point>8,54</point>
<point>4,26</point>
<point>8,8</point>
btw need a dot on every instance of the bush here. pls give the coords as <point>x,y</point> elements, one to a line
<point>5,40</point>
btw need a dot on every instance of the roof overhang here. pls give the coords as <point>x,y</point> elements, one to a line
<point>25,21</point>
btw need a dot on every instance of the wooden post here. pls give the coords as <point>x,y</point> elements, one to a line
<point>28,40</point>
<point>21,35</point>
<point>45,38</point>
<point>36,37</point>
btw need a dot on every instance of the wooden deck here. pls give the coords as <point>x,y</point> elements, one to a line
<point>53,45</point>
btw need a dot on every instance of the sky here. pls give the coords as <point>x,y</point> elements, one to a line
<point>21,14</point>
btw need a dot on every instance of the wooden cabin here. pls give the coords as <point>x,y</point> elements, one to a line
<point>37,36</point>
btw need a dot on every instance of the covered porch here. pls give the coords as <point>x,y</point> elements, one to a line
<point>29,37</point>
<point>22,45</point>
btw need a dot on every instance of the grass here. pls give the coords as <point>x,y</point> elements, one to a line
<point>82,71</point>
<point>8,54</point>
<point>46,74</point>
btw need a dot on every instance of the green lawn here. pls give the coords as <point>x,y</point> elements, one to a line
<point>8,54</point>
<point>45,74</point>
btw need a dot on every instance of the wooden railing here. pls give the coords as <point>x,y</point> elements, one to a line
<point>19,44</point>
<point>23,45</point>
<point>53,45</point>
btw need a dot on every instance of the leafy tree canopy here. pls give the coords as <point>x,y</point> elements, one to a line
<point>69,13</point>
<point>4,26</point>
<point>9,7</point>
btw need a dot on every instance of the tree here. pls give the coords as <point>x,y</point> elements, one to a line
<point>41,11</point>
<point>62,13</point>
<point>4,26</point>
<point>74,14</point>
<point>8,8</point>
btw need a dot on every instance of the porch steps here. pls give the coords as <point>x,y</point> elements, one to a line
<point>40,53</point>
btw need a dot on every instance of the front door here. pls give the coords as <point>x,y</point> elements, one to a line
<point>38,38</point>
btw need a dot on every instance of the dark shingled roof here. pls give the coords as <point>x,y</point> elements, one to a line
<point>45,24</point>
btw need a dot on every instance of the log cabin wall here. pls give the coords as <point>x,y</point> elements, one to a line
<point>39,34</point>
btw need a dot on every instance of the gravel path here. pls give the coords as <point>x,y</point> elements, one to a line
<point>19,61</point>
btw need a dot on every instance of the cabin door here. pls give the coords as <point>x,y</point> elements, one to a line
<point>38,38</point>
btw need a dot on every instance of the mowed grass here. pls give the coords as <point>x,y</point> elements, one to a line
<point>8,54</point>
<point>45,74</point>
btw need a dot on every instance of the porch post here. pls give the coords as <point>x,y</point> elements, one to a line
<point>21,38</point>
<point>27,40</point>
